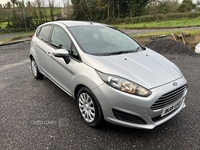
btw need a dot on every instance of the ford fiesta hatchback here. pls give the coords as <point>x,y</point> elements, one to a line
<point>110,75</point>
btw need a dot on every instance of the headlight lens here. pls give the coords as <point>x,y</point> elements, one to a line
<point>124,85</point>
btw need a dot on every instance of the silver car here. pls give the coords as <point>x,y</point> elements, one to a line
<point>110,75</point>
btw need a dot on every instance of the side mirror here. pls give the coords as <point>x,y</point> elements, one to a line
<point>63,54</point>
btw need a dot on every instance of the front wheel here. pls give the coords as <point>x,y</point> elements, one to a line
<point>36,73</point>
<point>89,108</point>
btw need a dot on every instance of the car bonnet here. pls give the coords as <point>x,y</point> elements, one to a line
<point>146,68</point>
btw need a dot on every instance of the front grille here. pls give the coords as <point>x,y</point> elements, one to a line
<point>169,98</point>
<point>128,117</point>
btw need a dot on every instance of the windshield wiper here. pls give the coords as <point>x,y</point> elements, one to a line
<point>136,50</point>
<point>118,53</point>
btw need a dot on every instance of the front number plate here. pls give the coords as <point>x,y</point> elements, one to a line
<point>171,107</point>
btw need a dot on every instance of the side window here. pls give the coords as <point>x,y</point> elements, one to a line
<point>44,33</point>
<point>60,39</point>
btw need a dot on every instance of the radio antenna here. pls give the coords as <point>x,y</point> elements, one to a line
<point>85,14</point>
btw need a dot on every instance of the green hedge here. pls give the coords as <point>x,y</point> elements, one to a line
<point>159,17</point>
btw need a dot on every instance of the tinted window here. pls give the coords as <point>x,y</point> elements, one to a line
<point>44,33</point>
<point>60,39</point>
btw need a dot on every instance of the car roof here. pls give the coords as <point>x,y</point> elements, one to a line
<point>71,23</point>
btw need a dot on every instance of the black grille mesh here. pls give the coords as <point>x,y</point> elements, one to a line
<point>128,117</point>
<point>169,98</point>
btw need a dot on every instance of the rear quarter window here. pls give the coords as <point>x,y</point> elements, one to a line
<point>44,33</point>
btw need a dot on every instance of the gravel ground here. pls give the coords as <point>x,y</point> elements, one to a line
<point>37,115</point>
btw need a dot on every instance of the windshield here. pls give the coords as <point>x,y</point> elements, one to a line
<point>103,40</point>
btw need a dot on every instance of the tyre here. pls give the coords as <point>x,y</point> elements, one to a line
<point>36,73</point>
<point>89,108</point>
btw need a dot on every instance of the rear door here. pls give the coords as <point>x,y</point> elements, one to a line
<point>41,46</point>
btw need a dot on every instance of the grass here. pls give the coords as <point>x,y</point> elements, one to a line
<point>3,41</point>
<point>162,24</point>
<point>17,37</point>
<point>23,34</point>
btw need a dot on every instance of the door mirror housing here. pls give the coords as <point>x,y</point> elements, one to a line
<point>61,53</point>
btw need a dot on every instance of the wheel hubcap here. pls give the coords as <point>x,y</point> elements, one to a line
<point>86,107</point>
<point>34,68</point>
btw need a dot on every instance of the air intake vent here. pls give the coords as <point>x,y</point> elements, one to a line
<point>128,117</point>
<point>169,98</point>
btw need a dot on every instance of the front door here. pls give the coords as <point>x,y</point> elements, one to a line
<point>57,69</point>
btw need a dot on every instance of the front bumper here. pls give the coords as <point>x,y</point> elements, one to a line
<point>133,111</point>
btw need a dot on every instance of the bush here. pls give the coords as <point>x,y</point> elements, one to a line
<point>159,17</point>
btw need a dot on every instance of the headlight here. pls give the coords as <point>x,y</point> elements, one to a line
<point>124,85</point>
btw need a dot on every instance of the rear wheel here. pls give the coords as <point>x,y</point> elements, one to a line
<point>36,73</point>
<point>89,108</point>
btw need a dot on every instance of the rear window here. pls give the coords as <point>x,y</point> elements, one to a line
<point>44,33</point>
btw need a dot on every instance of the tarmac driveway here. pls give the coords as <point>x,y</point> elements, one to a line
<point>37,115</point>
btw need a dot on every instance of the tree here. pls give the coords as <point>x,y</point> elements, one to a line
<point>135,7</point>
<point>161,7</point>
<point>186,6</point>
<point>35,14</point>
<point>51,8</point>
<point>44,10</point>
<point>29,4</point>
<point>80,10</point>
<point>67,11</point>
<point>167,6</point>
<point>41,15</point>
<point>107,10</point>
<point>8,5</point>
<point>13,2</point>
